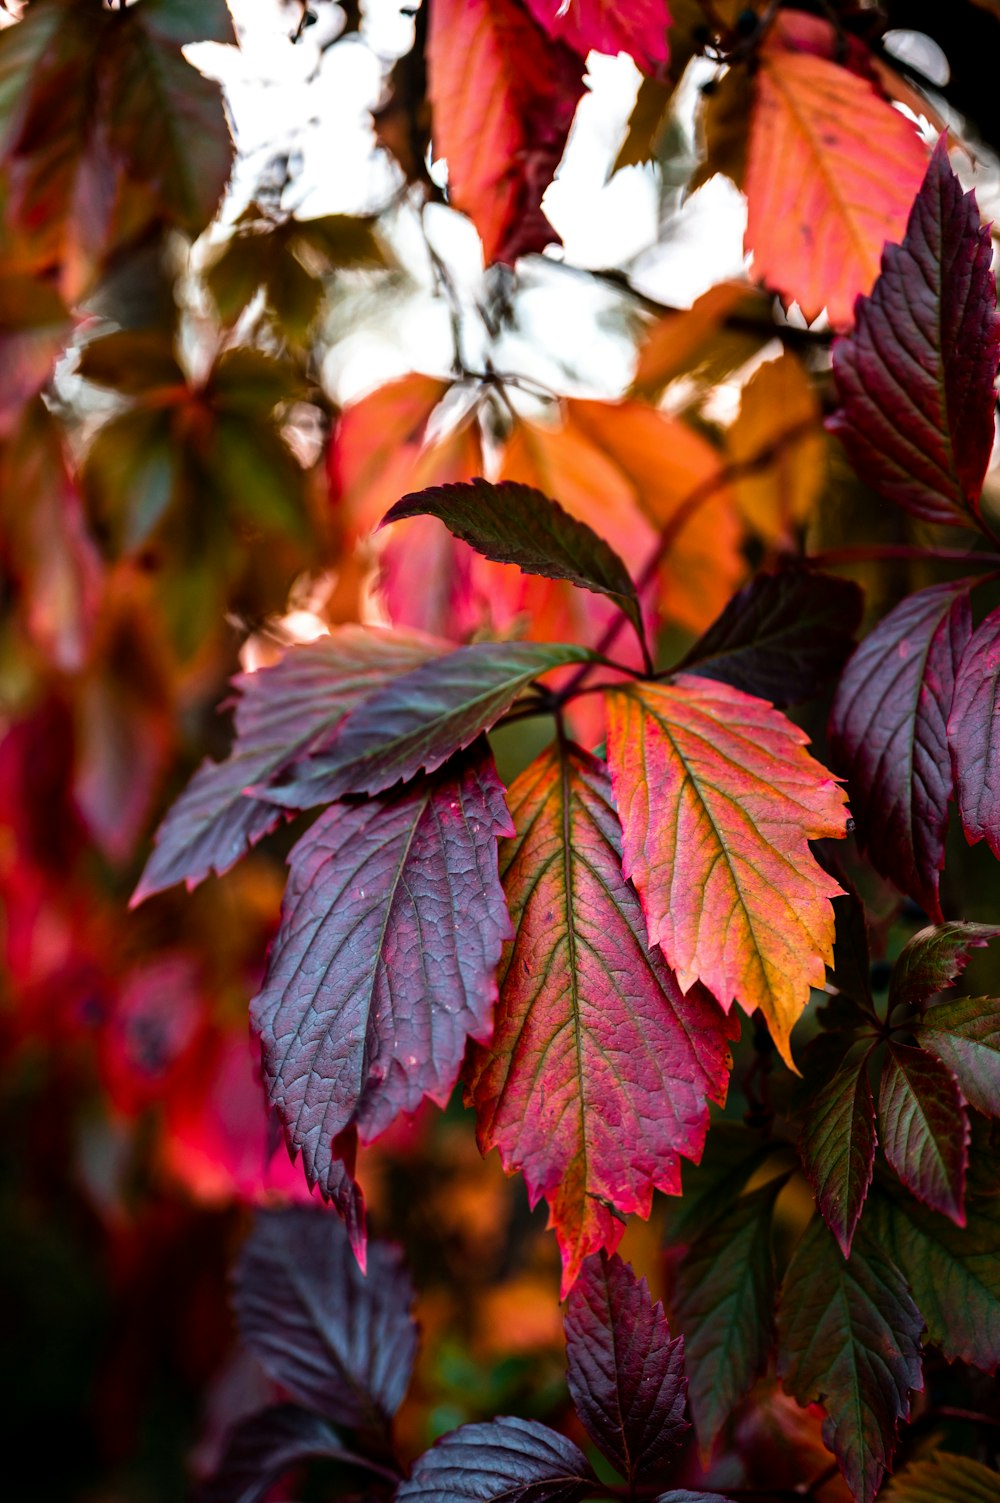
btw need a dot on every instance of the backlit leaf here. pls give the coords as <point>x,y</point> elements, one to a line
<point>779,497</point>
<point>782,636</point>
<point>391,929</point>
<point>723,1302</point>
<point>420,719</point>
<point>513,1460</point>
<point>953,1272</point>
<point>266,1445</point>
<point>831,174</point>
<point>943,1478</point>
<point>974,734</point>
<point>640,29</point>
<point>718,799</point>
<point>888,733</point>
<point>924,1129</point>
<point>625,1374</point>
<point>282,712</point>
<point>916,377</point>
<point>341,1342</point>
<point>965,1035</point>
<point>838,1147</point>
<point>597,1075</point>
<point>848,1337</point>
<point>678,341</point>
<point>934,958</point>
<point>503,99</point>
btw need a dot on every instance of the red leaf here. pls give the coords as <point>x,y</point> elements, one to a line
<point>264,1446</point>
<point>597,1074</point>
<point>974,734</point>
<point>925,1130</point>
<point>391,929</point>
<point>503,99</point>
<point>718,799</point>
<point>625,1375</point>
<point>838,1148</point>
<point>887,731</point>
<point>965,1036</point>
<point>934,958</point>
<point>916,377</point>
<point>639,28</point>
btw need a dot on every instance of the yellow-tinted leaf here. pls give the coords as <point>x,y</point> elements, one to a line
<point>778,397</point>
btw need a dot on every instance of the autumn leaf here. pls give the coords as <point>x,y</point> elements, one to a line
<point>915,378</point>
<point>779,497</point>
<point>513,1460</point>
<point>35,325</point>
<point>685,339</point>
<point>944,1478</point>
<point>630,1392</point>
<point>933,959</point>
<point>887,732</point>
<point>266,1445</point>
<point>924,1128</point>
<point>837,1146</point>
<point>965,1035</point>
<point>848,1336</point>
<point>358,1020</point>
<point>503,99</point>
<point>831,173</point>
<point>973,733</point>
<point>597,1075</point>
<point>718,799</point>
<point>375,445</point>
<point>640,29</point>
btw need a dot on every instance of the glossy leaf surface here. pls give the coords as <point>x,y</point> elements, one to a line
<point>597,1075</point>
<point>626,1375</point>
<point>718,799</point>
<point>888,733</point>
<point>518,1461</point>
<point>924,1129</point>
<point>342,1342</point>
<point>391,929</point>
<point>916,377</point>
<point>848,1336</point>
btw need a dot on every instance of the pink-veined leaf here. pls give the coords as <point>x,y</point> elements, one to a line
<point>391,929</point>
<point>924,1128</point>
<point>965,1035</point>
<point>888,734</point>
<point>974,734</point>
<point>934,958</point>
<point>718,799</point>
<point>598,1071</point>
<point>625,1374</point>
<point>915,378</point>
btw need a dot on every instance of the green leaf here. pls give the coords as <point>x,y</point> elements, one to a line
<point>516,524</point>
<point>723,1303</point>
<point>953,1272</point>
<point>838,1147</point>
<point>132,361</point>
<point>943,1478</point>
<point>131,477</point>
<point>965,1035</point>
<point>185,21</point>
<point>849,1338</point>
<point>934,958</point>
<point>925,1129</point>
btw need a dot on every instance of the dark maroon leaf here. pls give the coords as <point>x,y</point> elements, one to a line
<point>850,974</point>
<point>733,1153</point>
<point>887,732</point>
<point>281,713</point>
<point>384,965</point>
<point>421,719</point>
<point>518,1461</point>
<point>915,378</point>
<point>782,637</point>
<point>934,958</point>
<point>265,1446</point>
<point>684,1496</point>
<point>341,1342</point>
<point>849,1338</point>
<point>924,1127</point>
<point>953,1272</point>
<point>625,1374</point>
<point>837,1146</point>
<point>723,1303</point>
<point>965,1035</point>
<point>516,524</point>
<point>974,735</point>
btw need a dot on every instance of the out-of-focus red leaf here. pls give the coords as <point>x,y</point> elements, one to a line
<point>34,326</point>
<point>597,1075</point>
<point>503,99</point>
<point>641,28</point>
<point>974,734</point>
<point>916,376</point>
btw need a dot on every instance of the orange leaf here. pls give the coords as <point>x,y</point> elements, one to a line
<point>831,175</point>
<point>718,799</point>
<point>376,444</point>
<point>676,340</point>
<point>774,500</point>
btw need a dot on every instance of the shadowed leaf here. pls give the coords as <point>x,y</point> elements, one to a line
<point>974,734</point>
<point>934,958</point>
<point>518,1461</point>
<point>943,1478</point>
<point>838,1147</point>
<point>965,1035</point>
<point>262,1448</point>
<point>924,1128</point>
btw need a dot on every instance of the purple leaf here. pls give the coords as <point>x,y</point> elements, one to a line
<point>418,721</point>
<point>965,1036</point>
<point>974,735</point>
<point>341,1342</point>
<point>782,636</point>
<point>838,1148</point>
<point>516,524</point>
<point>625,1374</point>
<point>514,1460</point>
<point>915,378</point>
<point>384,965</point>
<point>263,1447</point>
<point>887,732</point>
<point>849,1338</point>
<point>925,1130</point>
<point>934,958</point>
<point>281,713</point>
